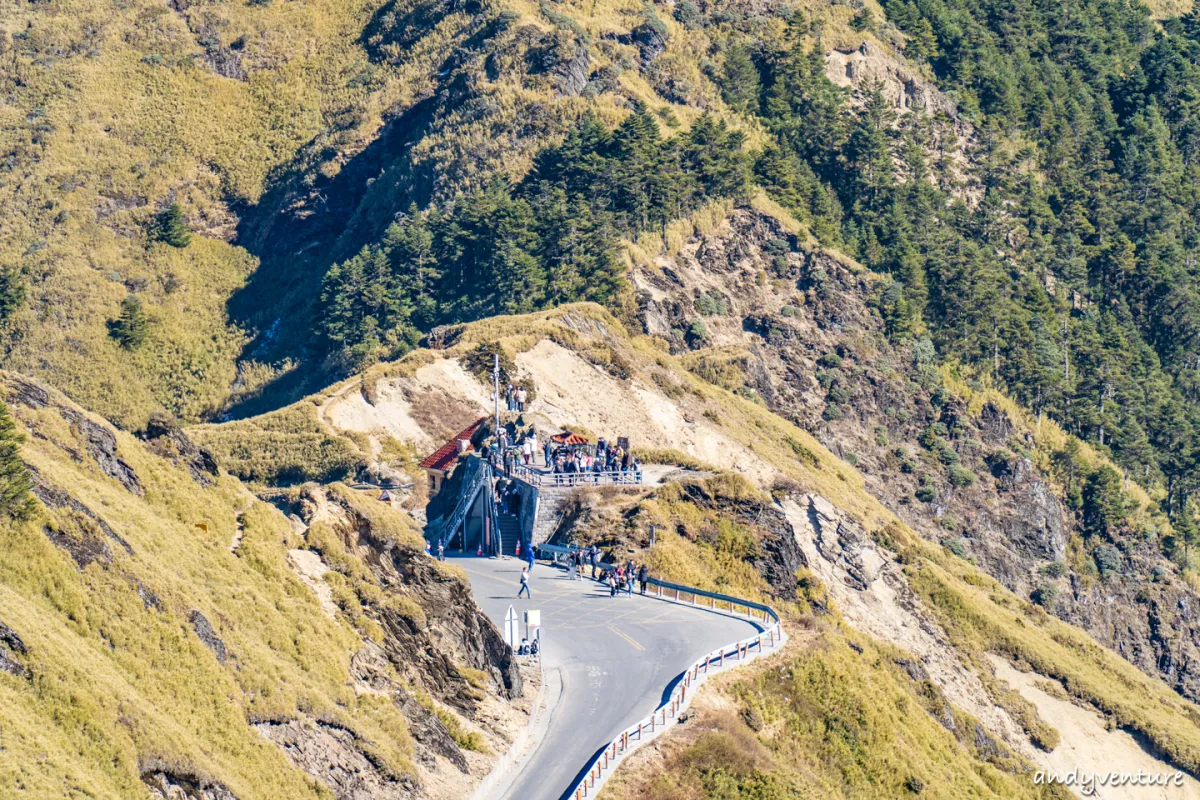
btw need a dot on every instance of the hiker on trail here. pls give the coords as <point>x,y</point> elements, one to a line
<point>527,450</point>
<point>524,584</point>
<point>441,549</point>
<point>522,396</point>
<point>643,574</point>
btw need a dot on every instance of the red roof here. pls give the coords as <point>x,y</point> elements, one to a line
<point>445,456</point>
<point>568,437</point>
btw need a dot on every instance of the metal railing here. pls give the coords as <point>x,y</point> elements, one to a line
<point>771,636</point>
<point>536,477</point>
<point>465,500</point>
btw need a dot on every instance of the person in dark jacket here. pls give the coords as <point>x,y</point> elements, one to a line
<point>643,574</point>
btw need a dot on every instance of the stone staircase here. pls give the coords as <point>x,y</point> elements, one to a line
<point>510,532</point>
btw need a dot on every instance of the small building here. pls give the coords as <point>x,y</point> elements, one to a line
<point>439,464</point>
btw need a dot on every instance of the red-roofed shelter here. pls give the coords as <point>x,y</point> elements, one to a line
<point>441,462</point>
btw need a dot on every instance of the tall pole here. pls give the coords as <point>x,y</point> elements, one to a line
<point>496,397</point>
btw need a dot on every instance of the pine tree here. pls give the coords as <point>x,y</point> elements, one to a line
<point>16,502</point>
<point>131,328</point>
<point>172,227</point>
<point>740,85</point>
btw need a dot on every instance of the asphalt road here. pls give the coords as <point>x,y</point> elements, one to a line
<point>617,657</point>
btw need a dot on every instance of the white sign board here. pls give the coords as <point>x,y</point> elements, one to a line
<point>512,630</point>
<point>533,618</point>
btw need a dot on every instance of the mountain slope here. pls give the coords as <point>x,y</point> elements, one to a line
<point>802,529</point>
<point>160,630</point>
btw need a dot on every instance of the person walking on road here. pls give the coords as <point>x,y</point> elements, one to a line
<point>629,583</point>
<point>612,584</point>
<point>529,556</point>
<point>527,450</point>
<point>643,574</point>
<point>593,558</point>
<point>524,584</point>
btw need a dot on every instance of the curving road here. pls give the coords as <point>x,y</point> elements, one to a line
<point>617,657</point>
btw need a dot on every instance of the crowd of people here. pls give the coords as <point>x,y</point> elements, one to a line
<point>619,578</point>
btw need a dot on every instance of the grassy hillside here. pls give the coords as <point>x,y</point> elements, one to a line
<point>162,628</point>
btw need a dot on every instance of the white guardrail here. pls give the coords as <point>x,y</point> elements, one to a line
<point>769,639</point>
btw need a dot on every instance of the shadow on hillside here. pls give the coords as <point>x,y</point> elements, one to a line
<point>299,231</point>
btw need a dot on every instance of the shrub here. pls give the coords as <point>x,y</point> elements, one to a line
<point>955,546</point>
<point>925,492</point>
<point>961,476</point>
<point>172,228</point>
<point>15,500</point>
<point>709,305</point>
<point>687,14</point>
<point>1108,559</point>
<point>830,361</point>
<point>1054,569</point>
<point>1044,595</point>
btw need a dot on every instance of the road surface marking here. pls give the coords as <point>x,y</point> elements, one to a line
<point>629,639</point>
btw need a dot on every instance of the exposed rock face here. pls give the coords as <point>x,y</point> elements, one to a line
<point>172,786</point>
<point>11,650</point>
<point>454,631</point>
<point>901,85</point>
<point>86,540</point>
<point>101,445</point>
<point>338,759</point>
<point>204,630</point>
<point>573,74</point>
<point>779,557</point>
<point>651,40</point>
<point>844,544</point>
<point>167,439</point>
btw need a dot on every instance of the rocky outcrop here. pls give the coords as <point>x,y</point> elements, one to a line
<point>339,759</point>
<point>12,650</point>
<point>87,540</point>
<point>101,444</point>
<point>166,439</point>
<point>168,785</point>
<point>573,73</point>
<point>450,633</point>
<point>204,630</point>
<point>844,544</point>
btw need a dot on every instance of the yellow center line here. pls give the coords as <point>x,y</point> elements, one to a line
<point>629,639</point>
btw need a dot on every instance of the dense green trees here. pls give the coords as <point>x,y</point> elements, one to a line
<point>514,249</point>
<point>1071,276</point>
